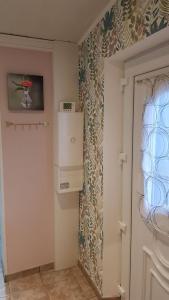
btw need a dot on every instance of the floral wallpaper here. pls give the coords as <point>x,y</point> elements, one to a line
<point>127,22</point>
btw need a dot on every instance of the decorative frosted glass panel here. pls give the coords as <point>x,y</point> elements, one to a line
<point>154,204</point>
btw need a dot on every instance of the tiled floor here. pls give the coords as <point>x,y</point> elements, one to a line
<point>50,285</point>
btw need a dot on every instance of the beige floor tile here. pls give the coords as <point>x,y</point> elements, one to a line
<point>32,294</point>
<point>83,283</point>
<point>25,283</point>
<point>87,290</point>
<point>64,292</point>
<point>77,272</point>
<point>69,284</point>
<point>50,278</point>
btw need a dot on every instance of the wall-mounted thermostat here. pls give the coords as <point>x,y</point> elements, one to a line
<point>66,106</point>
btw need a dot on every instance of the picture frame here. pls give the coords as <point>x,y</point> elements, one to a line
<point>25,92</point>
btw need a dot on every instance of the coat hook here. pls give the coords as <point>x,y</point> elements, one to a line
<point>29,125</point>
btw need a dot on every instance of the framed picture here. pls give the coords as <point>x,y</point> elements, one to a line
<point>25,92</point>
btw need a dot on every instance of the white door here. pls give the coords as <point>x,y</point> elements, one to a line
<point>150,188</point>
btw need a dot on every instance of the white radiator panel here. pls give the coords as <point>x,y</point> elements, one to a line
<point>69,158</point>
<point>70,139</point>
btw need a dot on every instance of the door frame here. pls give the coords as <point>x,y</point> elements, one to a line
<point>138,59</point>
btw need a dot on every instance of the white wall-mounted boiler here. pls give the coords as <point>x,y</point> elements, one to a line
<point>69,157</point>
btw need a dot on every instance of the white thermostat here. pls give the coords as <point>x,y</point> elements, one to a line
<point>67,106</point>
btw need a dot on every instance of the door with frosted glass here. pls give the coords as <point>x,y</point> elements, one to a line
<point>150,188</point>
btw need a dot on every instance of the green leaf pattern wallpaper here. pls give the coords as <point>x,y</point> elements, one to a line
<point>127,22</point>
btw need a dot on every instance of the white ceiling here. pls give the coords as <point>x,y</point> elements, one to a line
<point>50,19</point>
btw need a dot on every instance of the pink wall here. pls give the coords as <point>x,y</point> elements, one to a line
<point>27,168</point>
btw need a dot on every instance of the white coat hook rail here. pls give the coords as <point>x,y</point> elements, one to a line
<point>29,125</point>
